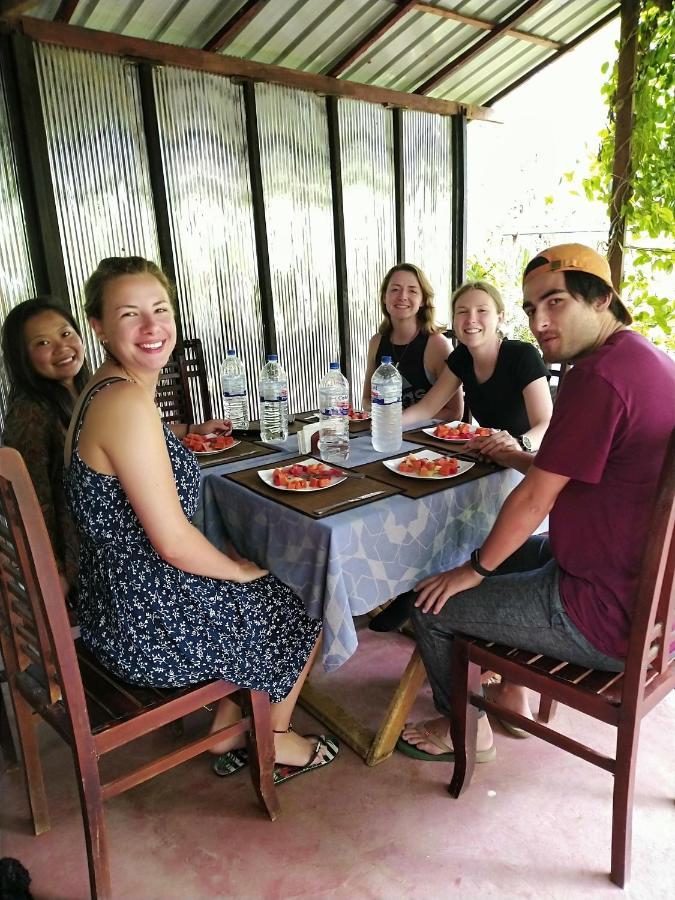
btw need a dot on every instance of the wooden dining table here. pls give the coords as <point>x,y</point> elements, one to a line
<point>353,561</point>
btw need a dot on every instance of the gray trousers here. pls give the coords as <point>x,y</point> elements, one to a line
<point>520,607</point>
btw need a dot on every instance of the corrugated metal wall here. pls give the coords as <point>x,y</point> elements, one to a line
<point>99,166</point>
<point>98,163</point>
<point>203,143</point>
<point>295,168</point>
<point>367,157</point>
<point>16,271</point>
<point>427,189</point>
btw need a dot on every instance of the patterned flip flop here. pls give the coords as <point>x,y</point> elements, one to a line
<point>231,762</point>
<point>328,747</point>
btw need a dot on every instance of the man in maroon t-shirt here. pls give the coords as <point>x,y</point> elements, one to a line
<point>594,475</point>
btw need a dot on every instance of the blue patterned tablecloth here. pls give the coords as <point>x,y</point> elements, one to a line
<point>346,564</point>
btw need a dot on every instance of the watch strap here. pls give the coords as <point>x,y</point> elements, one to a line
<point>476,566</point>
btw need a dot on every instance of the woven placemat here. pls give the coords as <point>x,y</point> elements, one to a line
<point>414,488</point>
<point>243,450</point>
<point>349,494</point>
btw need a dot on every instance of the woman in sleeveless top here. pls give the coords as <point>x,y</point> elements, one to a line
<point>159,604</point>
<point>409,335</point>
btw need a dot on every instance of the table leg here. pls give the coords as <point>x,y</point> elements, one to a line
<point>374,748</point>
<point>408,688</point>
<point>341,723</point>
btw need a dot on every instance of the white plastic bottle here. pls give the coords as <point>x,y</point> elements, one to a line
<point>273,385</point>
<point>386,409</point>
<point>235,395</point>
<point>334,416</point>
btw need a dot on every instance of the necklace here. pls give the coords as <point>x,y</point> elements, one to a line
<point>398,360</point>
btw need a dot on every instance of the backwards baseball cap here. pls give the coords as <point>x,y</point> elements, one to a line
<point>576,258</point>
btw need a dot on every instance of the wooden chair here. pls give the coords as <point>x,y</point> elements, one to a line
<point>557,372</point>
<point>619,699</point>
<point>52,676</point>
<point>176,399</point>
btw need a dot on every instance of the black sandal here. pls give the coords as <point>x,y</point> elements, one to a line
<point>327,747</point>
<point>231,762</point>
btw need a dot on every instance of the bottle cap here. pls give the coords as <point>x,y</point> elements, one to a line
<point>272,357</point>
<point>385,360</point>
<point>231,352</point>
<point>335,365</point>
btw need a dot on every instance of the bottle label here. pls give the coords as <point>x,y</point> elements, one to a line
<point>384,398</point>
<point>341,410</point>
<point>277,397</point>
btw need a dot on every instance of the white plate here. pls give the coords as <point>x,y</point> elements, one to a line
<point>267,475</point>
<point>463,440</point>
<point>393,464</point>
<point>213,452</point>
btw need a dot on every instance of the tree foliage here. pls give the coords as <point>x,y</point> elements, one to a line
<point>650,203</point>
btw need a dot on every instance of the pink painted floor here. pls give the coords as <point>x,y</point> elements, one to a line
<point>533,824</point>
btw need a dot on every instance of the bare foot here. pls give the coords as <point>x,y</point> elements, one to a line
<point>512,697</point>
<point>291,749</point>
<point>419,735</point>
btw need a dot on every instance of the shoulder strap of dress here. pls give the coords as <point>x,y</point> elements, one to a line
<point>89,396</point>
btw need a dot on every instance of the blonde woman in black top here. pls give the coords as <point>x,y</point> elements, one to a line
<point>505,381</point>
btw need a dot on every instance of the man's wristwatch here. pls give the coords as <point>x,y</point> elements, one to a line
<point>474,562</point>
<point>525,443</point>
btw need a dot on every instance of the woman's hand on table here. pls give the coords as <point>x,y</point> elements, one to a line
<point>213,426</point>
<point>435,591</point>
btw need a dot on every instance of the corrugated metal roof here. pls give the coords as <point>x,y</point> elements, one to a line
<point>315,35</point>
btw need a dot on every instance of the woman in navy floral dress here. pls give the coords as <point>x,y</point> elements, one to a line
<point>159,604</point>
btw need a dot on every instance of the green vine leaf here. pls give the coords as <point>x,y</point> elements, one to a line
<point>648,208</point>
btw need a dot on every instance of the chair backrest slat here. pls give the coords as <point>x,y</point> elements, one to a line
<point>182,393</point>
<point>36,614</point>
<point>652,627</point>
<point>19,585</point>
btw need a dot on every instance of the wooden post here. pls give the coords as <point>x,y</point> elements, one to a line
<point>622,169</point>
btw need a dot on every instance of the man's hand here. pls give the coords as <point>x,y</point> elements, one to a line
<point>503,449</point>
<point>436,589</point>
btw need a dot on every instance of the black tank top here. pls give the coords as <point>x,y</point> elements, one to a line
<point>409,360</point>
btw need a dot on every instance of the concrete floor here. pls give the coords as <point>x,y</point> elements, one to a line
<point>535,823</point>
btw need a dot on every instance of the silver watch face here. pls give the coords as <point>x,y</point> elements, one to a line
<point>526,443</point>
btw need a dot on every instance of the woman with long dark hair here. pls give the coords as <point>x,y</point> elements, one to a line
<point>410,334</point>
<point>45,365</point>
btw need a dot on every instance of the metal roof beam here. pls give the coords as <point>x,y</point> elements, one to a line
<point>11,8</point>
<point>570,45</point>
<point>139,49</point>
<point>367,42</point>
<point>65,11</point>
<point>525,9</point>
<point>235,24</point>
<point>484,25</point>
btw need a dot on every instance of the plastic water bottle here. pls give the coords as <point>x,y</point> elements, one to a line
<point>386,409</point>
<point>334,416</point>
<point>235,396</point>
<point>273,385</point>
